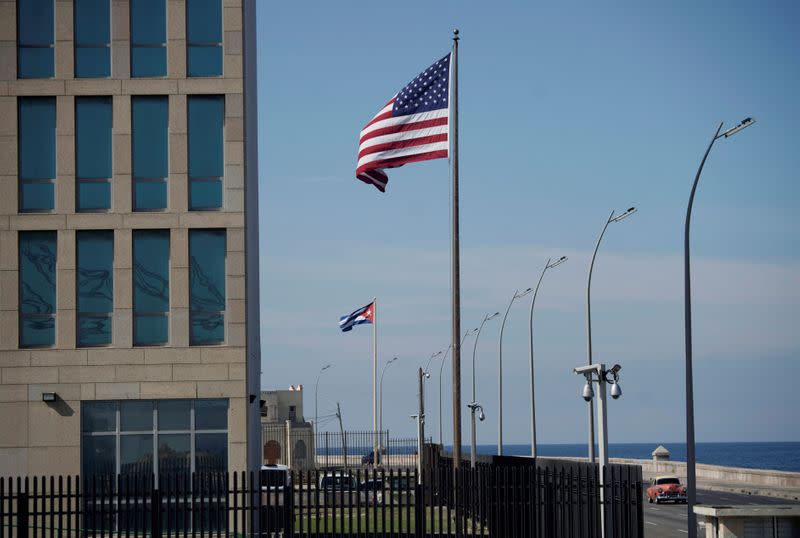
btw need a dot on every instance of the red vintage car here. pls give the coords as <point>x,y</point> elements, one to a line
<point>666,489</point>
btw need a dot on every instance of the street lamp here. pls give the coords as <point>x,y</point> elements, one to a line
<point>516,296</point>
<point>441,369</point>
<point>611,218</point>
<point>379,457</point>
<point>547,266</point>
<point>597,373</point>
<point>316,394</point>
<point>425,370</point>
<point>690,448</point>
<point>474,404</point>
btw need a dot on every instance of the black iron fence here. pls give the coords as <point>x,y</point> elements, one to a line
<point>502,501</point>
<point>301,448</point>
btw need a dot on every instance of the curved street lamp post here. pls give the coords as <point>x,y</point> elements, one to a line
<point>379,456</point>
<point>611,218</point>
<point>690,448</point>
<point>473,405</point>
<point>316,394</point>
<point>517,295</point>
<point>441,369</point>
<point>547,266</point>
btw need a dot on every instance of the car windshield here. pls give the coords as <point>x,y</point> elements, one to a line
<point>665,481</point>
<point>338,482</point>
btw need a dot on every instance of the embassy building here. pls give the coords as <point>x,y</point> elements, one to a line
<point>123,168</point>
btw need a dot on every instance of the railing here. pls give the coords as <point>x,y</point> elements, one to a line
<point>503,501</point>
<point>335,450</point>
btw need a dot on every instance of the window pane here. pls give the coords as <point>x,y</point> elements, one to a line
<point>211,414</point>
<point>151,271</point>
<point>94,196</point>
<point>136,416</point>
<point>150,330</point>
<point>207,285</point>
<point>99,416</point>
<point>37,151</point>
<point>136,454</point>
<point>92,22</point>
<point>148,61</point>
<point>149,195</point>
<point>93,123</point>
<point>206,120</point>
<point>37,288</point>
<point>95,287</point>
<point>174,414</point>
<point>35,26</point>
<point>99,455</point>
<point>150,125</point>
<point>211,452</point>
<point>92,62</point>
<point>204,61</point>
<point>205,194</point>
<point>174,454</point>
<point>35,62</point>
<point>36,196</point>
<point>204,21</point>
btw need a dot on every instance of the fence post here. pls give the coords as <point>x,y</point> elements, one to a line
<point>155,513</point>
<point>22,514</point>
<point>327,454</point>
<point>289,444</point>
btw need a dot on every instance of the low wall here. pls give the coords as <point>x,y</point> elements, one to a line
<point>716,477</point>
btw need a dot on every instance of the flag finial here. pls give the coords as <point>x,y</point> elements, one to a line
<point>455,34</point>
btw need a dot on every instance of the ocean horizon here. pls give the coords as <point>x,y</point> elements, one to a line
<point>777,456</point>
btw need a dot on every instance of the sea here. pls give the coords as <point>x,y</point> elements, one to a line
<point>775,456</point>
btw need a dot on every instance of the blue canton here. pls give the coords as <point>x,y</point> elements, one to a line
<point>429,91</point>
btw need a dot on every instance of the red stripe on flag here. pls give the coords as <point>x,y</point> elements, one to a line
<point>400,161</point>
<point>369,181</point>
<point>405,127</point>
<point>380,117</point>
<point>403,144</point>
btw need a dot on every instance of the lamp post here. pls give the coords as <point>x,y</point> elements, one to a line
<point>547,266</point>
<point>516,296</point>
<point>316,395</point>
<point>690,448</point>
<point>597,373</point>
<point>474,404</point>
<point>379,456</point>
<point>611,218</point>
<point>441,369</point>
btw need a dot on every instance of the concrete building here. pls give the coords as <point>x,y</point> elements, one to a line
<point>122,236</point>
<point>287,436</point>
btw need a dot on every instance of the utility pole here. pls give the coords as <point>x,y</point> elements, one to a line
<point>341,430</point>
<point>420,424</point>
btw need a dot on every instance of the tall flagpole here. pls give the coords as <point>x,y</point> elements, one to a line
<point>456,265</point>
<point>375,448</point>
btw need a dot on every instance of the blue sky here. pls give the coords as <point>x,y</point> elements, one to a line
<point>566,112</point>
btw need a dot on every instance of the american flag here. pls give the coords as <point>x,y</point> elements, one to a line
<point>413,126</point>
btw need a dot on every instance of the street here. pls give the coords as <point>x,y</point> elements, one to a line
<point>669,520</point>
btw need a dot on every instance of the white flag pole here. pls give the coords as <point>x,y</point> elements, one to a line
<point>375,446</point>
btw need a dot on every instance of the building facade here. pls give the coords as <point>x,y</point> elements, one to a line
<point>287,437</point>
<point>122,237</point>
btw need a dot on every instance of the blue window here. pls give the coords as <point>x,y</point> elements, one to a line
<point>206,119</point>
<point>150,125</point>
<point>93,117</point>
<point>35,38</point>
<point>204,38</point>
<point>148,38</point>
<point>92,38</point>
<point>37,289</point>
<point>150,287</point>
<point>37,153</point>
<point>206,287</point>
<point>95,286</point>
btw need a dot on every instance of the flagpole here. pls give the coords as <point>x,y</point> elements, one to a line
<point>375,447</point>
<point>456,265</point>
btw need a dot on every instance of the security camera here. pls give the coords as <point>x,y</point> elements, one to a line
<point>481,416</point>
<point>588,391</point>
<point>616,392</point>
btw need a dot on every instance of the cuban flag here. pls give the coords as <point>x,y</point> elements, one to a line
<point>365,314</point>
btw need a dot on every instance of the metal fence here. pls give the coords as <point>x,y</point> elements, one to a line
<point>545,500</point>
<point>301,448</point>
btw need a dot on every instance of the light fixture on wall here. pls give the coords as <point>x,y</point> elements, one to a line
<point>49,397</point>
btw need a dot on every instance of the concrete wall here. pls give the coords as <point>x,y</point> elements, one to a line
<point>41,438</point>
<point>277,403</point>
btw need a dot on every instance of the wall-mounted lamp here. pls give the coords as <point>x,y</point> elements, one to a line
<point>49,396</point>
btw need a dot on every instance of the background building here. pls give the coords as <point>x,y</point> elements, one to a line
<point>122,236</point>
<point>283,424</point>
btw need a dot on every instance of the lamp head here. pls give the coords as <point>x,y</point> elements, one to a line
<point>558,262</point>
<point>630,211</point>
<point>616,392</point>
<point>488,317</point>
<point>588,391</point>
<point>747,122</point>
<point>325,367</point>
<point>481,415</point>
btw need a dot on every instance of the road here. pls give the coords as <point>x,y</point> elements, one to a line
<point>669,520</point>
